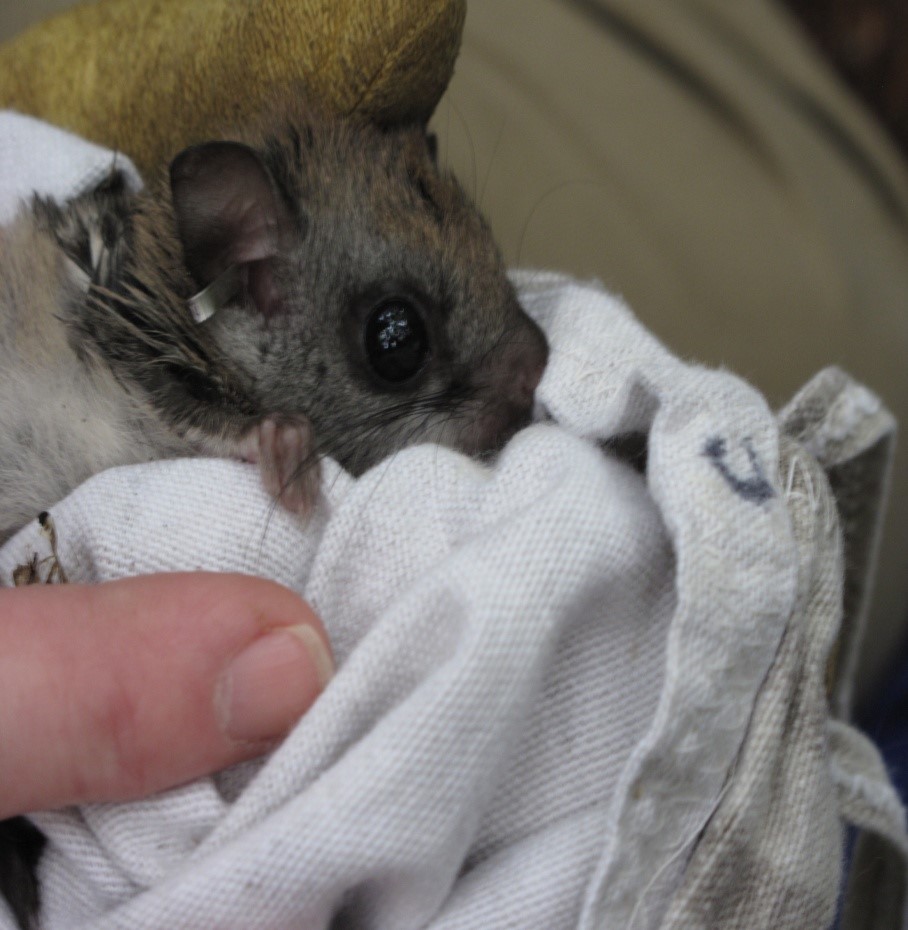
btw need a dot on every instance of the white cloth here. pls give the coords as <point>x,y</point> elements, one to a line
<point>558,675</point>
<point>38,157</point>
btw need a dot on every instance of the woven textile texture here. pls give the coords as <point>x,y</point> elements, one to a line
<point>577,687</point>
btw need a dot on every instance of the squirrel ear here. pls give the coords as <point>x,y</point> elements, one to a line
<point>227,209</point>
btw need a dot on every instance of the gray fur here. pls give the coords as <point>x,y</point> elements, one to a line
<point>63,415</point>
<point>101,363</point>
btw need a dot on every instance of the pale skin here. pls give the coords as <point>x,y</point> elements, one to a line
<point>112,692</point>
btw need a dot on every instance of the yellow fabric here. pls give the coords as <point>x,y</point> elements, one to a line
<point>148,77</point>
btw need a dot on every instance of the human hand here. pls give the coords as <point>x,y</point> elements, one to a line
<point>115,691</point>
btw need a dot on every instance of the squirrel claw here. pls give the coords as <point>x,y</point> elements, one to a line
<point>284,447</point>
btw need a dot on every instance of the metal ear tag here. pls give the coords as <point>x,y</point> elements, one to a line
<point>204,305</point>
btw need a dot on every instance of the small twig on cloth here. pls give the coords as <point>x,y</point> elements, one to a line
<point>30,572</point>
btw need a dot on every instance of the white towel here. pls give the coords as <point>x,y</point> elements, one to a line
<point>36,157</point>
<point>553,672</point>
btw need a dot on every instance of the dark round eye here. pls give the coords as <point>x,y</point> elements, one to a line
<point>396,340</point>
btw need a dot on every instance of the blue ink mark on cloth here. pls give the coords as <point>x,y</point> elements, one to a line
<point>754,488</point>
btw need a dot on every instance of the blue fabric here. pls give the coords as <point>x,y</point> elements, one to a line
<point>885,721</point>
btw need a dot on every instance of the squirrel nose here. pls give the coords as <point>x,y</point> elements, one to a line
<point>525,358</point>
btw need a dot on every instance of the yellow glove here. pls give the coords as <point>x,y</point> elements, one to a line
<point>148,77</point>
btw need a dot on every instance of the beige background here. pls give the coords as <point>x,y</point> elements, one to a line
<point>697,157</point>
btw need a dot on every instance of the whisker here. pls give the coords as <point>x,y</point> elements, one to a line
<point>573,182</point>
<point>469,137</point>
<point>485,180</point>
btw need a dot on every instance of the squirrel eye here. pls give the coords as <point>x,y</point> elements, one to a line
<point>396,341</point>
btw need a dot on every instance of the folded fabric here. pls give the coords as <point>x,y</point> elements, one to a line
<point>36,157</point>
<point>582,686</point>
